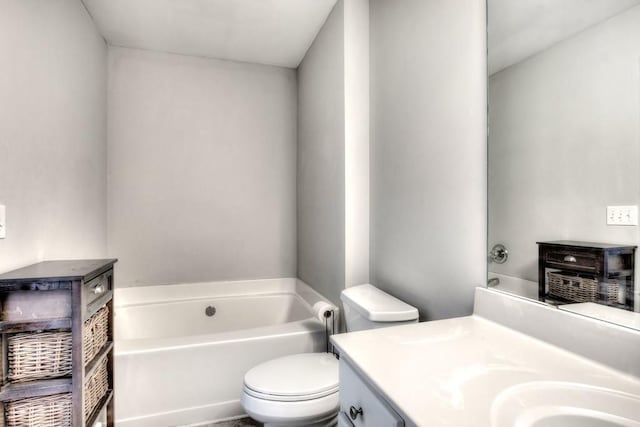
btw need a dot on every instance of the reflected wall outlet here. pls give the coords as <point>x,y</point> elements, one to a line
<point>622,215</point>
<point>3,222</point>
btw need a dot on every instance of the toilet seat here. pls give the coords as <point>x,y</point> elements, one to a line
<point>293,390</point>
<point>292,398</point>
<point>305,376</point>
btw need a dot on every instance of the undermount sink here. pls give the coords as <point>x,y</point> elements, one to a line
<point>564,404</point>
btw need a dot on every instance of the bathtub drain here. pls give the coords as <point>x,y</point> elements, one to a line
<point>210,311</point>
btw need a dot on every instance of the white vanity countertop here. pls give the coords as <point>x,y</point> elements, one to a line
<point>626,318</point>
<point>448,372</point>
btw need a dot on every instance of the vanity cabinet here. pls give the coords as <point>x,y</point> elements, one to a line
<point>360,405</point>
<point>570,271</point>
<point>56,332</point>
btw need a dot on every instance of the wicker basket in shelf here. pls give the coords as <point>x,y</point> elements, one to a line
<point>46,411</point>
<point>44,355</point>
<point>95,334</point>
<point>581,289</point>
<point>95,388</point>
<point>39,355</point>
<point>55,410</point>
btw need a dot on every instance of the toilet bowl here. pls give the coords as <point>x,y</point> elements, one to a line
<point>297,390</point>
<point>303,389</point>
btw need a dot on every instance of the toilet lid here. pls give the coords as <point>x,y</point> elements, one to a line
<point>308,375</point>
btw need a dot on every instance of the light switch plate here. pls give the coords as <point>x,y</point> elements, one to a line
<point>3,222</point>
<point>622,215</point>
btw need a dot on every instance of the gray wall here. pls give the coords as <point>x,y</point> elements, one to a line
<point>564,143</point>
<point>52,132</point>
<point>201,161</point>
<point>321,160</point>
<point>428,127</point>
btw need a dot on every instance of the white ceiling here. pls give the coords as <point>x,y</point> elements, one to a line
<point>273,32</point>
<point>521,28</point>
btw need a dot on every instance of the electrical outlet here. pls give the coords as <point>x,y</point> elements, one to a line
<point>3,222</point>
<point>622,215</point>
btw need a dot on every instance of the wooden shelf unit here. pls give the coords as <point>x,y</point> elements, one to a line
<point>602,262</point>
<point>89,284</point>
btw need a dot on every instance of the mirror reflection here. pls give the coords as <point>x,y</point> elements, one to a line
<point>564,153</point>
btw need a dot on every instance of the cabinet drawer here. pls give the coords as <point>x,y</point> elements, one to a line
<point>96,291</point>
<point>572,260</point>
<point>361,405</point>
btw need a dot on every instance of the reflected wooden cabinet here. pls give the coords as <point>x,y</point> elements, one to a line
<point>57,344</point>
<point>570,271</point>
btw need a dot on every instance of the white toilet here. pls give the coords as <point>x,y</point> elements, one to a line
<point>302,389</point>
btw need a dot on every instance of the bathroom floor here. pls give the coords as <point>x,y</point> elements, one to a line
<point>241,422</point>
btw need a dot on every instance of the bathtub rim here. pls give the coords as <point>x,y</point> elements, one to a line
<point>158,294</point>
<point>148,294</point>
<point>514,285</point>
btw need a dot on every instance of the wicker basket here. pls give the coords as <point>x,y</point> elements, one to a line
<point>55,410</point>
<point>46,411</point>
<point>581,289</point>
<point>39,355</point>
<point>43,355</point>
<point>95,388</point>
<point>95,333</point>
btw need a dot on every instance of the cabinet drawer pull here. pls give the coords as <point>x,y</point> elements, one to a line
<point>353,412</point>
<point>570,258</point>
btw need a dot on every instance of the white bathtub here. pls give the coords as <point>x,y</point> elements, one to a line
<point>515,285</point>
<point>176,366</point>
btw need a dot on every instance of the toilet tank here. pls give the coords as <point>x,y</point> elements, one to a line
<point>367,307</point>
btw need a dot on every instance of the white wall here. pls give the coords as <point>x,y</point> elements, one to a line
<point>201,161</point>
<point>356,140</point>
<point>428,127</point>
<point>333,153</point>
<point>565,143</point>
<point>52,132</point>
<point>321,160</point>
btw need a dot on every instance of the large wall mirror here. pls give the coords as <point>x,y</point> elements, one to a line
<point>564,145</point>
